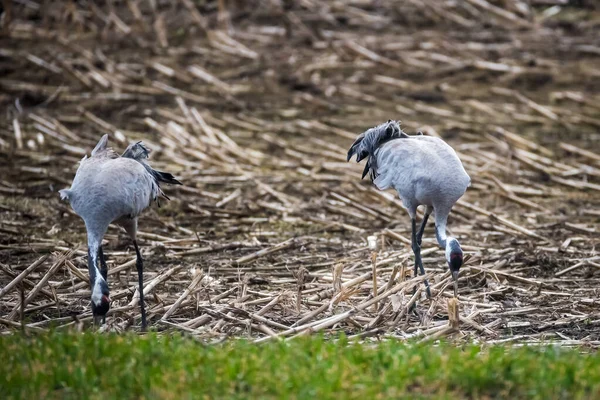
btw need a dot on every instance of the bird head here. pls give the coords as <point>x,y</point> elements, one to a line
<point>454,257</point>
<point>100,299</point>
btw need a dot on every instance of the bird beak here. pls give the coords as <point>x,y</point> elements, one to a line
<point>106,299</point>
<point>455,277</point>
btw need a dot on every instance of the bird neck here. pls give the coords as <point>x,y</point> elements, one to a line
<point>93,265</point>
<point>100,286</point>
<point>448,243</point>
<point>96,280</point>
<point>440,232</point>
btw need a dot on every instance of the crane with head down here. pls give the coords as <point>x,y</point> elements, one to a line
<point>110,188</point>
<point>424,170</point>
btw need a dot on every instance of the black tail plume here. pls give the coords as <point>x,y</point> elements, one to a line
<point>368,142</point>
<point>139,152</point>
<point>353,149</point>
<point>165,177</point>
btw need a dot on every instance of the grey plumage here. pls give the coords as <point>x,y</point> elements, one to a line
<point>369,141</point>
<point>110,188</point>
<point>139,152</point>
<point>424,170</point>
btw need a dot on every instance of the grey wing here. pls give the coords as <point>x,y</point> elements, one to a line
<point>388,166</point>
<point>397,166</point>
<point>136,184</point>
<point>101,146</point>
<point>123,187</point>
<point>137,151</point>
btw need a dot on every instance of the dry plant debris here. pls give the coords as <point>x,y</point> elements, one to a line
<point>253,106</point>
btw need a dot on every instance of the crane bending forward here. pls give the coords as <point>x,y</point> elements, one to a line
<point>424,170</point>
<point>111,188</point>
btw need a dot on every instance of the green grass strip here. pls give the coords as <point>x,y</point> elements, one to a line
<point>93,366</point>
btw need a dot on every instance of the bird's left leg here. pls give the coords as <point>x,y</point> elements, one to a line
<point>103,271</point>
<point>140,268</point>
<point>103,267</point>
<point>416,247</point>
<point>428,211</point>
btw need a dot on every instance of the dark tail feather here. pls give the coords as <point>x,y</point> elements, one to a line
<point>367,168</point>
<point>139,152</point>
<point>136,151</point>
<point>165,177</point>
<point>368,142</point>
<point>354,148</point>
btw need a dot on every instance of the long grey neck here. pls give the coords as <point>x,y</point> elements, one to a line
<point>97,282</point>
<point>93,263</point>
<point>441,238</point>
<point>92,268</point>
<point>440,231</point>
<point>95,233</point>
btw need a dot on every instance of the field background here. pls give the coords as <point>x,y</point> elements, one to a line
<point>253,105</point>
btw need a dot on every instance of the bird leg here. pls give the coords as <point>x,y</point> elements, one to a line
<point>104,273</point>
<point>140,269</point>
<point>416,247</point>
<point>422,228</point>
<point>103,267</point>
<point>92,271</point>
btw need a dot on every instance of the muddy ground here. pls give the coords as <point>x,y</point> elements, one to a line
<point>253,105</point>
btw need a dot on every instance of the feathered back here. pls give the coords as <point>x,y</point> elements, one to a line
<point>101,146</point>
<point>139,152</point>
<point>367,142</point>
<point>102,150</point>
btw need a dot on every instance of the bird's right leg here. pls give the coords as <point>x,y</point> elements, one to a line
<point>140,268</point>
<point>416,247</point>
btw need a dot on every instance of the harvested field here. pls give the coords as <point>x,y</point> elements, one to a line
<point>253,105</point>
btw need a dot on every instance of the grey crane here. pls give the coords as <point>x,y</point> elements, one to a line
<point>424,170</point>
<point>110,188</point>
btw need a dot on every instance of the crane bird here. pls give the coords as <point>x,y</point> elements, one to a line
<point>424,170</point>
<point>111,188</point>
